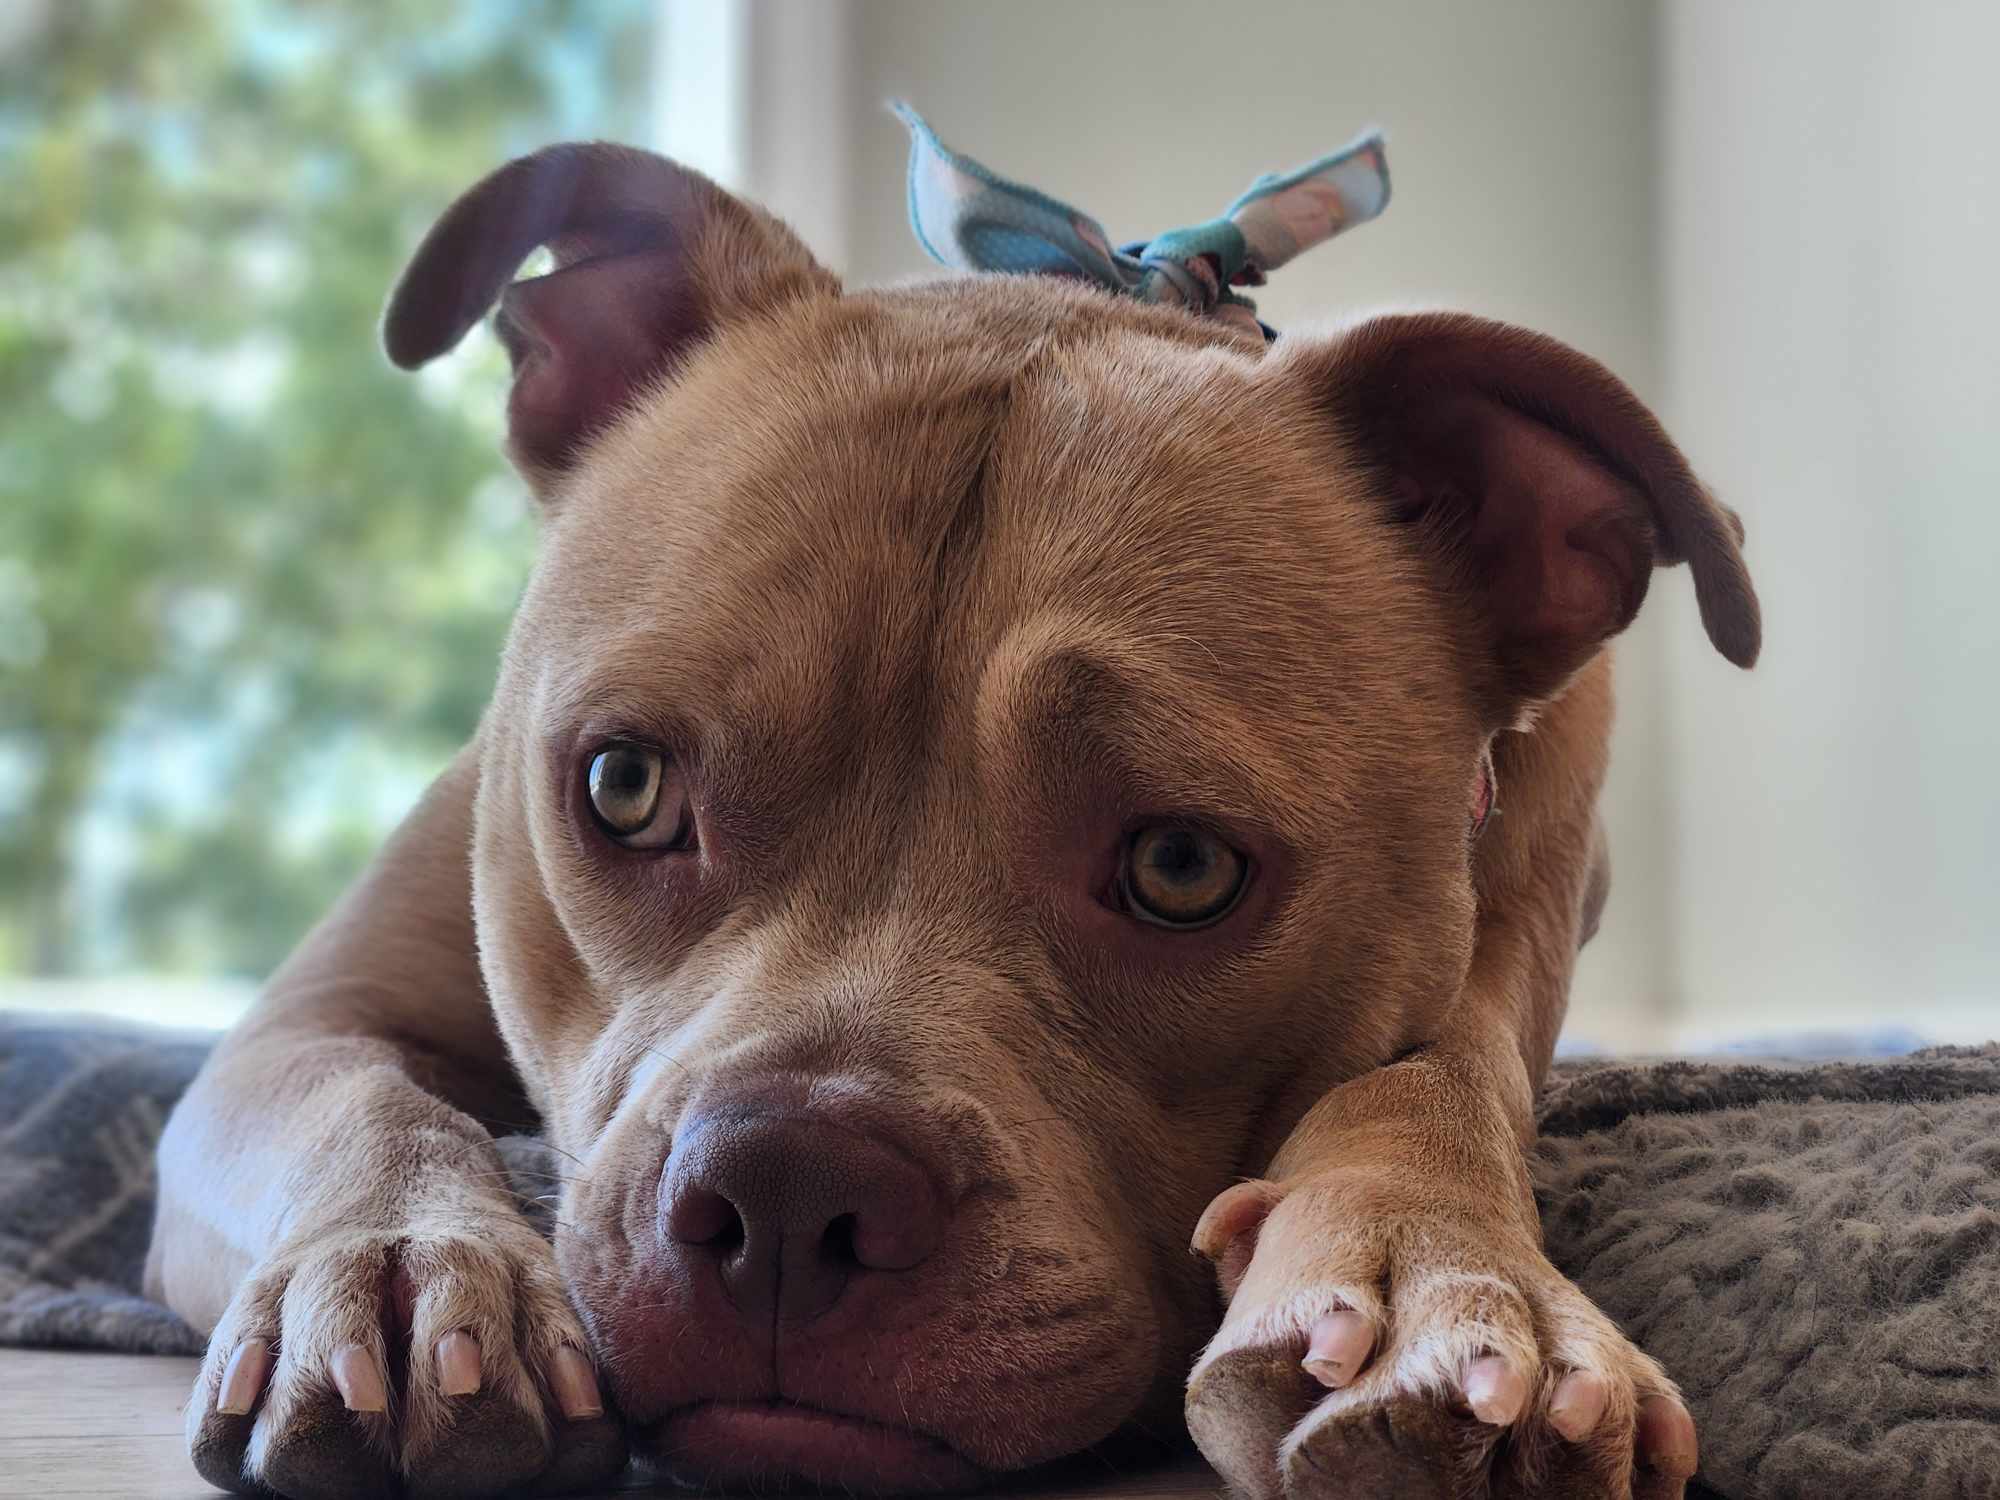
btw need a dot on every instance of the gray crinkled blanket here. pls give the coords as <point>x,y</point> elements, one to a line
<point>1813,1251</point>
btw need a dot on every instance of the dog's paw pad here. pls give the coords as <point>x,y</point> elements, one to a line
<point>1240,1407</point>
<point>217,1448</point>
<point>484,1446</point>
<point>588,1454</point>
<point>323,1453</point>
<point>1406,1446</point>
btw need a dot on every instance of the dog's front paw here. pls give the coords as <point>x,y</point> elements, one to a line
<point>1383,1341</point>
<point>439,1357</point>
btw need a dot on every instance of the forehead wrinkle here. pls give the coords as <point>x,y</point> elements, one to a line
<point>1159,494</point>
<point>763,714</point>
<point>1185,499</point>
<point>1173,740</point>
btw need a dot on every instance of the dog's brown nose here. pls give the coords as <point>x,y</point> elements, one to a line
<point>789,1207</point>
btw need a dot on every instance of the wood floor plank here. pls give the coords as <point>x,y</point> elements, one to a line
<point>109,1426</point>
<point>62,1394</point>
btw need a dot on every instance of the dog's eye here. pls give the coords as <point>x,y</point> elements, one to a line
<point>639,798</point>
<point>1181,877</point>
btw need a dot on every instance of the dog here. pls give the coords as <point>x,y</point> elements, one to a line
<point>988,783</point>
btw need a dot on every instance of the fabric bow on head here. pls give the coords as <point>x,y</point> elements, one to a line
<point>972,219</point>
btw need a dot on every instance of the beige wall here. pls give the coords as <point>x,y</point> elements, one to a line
<point>1832,299</point>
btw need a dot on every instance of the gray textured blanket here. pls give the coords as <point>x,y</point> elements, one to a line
<point>1813,1251</point>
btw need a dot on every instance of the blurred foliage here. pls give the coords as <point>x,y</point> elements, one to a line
<point>253,581</point>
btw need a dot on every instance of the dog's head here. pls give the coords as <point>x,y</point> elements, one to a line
<point>974,762</point>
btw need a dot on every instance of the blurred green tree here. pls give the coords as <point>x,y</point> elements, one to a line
<point>252,580</point>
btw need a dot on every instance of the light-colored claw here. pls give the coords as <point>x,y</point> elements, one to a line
<point>1667,1442</point>
<point>1495,1390</point>
<point>359,1380</point>
<point>1338,1348</point>
<point>243,1378</point>
<point>458,1363</point>
<point>575,1385</point>
<point>1578,1404</point>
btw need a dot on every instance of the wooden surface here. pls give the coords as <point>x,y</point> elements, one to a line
<point>109,1426</point>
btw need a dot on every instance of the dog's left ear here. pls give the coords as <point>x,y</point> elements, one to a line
<point>1544,489</point>
<point>652,259</point>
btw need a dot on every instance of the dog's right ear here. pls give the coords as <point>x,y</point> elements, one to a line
<point>651,260</point>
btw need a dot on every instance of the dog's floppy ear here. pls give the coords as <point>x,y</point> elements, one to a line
<point>1542,485</point>
<point>651,259</point>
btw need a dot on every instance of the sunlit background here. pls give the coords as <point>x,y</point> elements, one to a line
<point>253,582</point>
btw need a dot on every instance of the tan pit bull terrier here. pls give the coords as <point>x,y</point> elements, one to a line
<point>981,789</point>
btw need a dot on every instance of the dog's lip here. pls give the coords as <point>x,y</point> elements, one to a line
<point>755,1442</point>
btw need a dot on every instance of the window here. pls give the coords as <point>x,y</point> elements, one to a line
<point>253,581</point>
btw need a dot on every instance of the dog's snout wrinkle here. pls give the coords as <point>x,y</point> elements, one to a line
<point>787,1208</point>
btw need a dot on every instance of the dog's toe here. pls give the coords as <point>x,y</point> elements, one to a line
<point>218,1448</point>
<point>486,1445</point>
<point>1407,1446</point>
<point>1596,1470</point>
<point>1241,1405</point>
<point>321,1452</point>
<point>1668,1451</point>
<point>587,1454</point>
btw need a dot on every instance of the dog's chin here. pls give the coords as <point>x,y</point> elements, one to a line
<point>781,1445</point>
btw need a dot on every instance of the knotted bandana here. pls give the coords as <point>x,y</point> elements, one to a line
<point>972,219</point>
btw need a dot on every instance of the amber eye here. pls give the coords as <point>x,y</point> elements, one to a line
<point>639,798</point>
<point>1176,876</point>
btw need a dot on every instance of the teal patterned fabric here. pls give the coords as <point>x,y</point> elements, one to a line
<point>972,219</point>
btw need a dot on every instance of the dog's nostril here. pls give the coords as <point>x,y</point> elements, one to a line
<point>700,1217</point>
<point>837,1244</point>
<point>786,1207</point>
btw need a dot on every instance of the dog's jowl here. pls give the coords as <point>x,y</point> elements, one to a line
<point>987,785</point>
